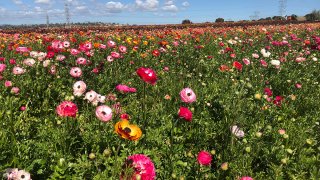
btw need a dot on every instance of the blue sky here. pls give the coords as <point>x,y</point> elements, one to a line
<point>145,11</point>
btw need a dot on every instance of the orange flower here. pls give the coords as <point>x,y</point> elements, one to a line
<point>128,131</point>
<point>96,45</point>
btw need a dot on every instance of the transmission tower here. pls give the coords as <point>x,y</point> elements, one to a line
<point>255,16</point>
<point>67,13</point>
<point>47,16</point>
<point>282,7</point>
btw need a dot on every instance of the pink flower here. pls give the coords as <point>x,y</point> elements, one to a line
<point>75,72</point>
<point>104,113</point>
<point>246,61</point>
<point>122,49</point>
<point>23,108</point>
<point>166,68</point>
<point>298,85</point>
<point>2,67</point>
<point>115,54</point>
<point>79,88</point>
<point>29,62</point>
<point>110,58</point>
<point>277,101</point>
<point>60,57</point>
<point>18,70</point>
<point>102,46</point>
<point>204,158</point>
<point>57,45</point>
<point>125,89</point>
<point>111,44</point>
<point>185,113</point>
<point>15,90</point>
<point>281,131</point>
<point>268,91</point>
<point>74,52</point>
<point>12,61</point>
<point>22,49</point>
<point>53,69</point>
<point>187,95</point>
<point>255,55</point>
<point>81,60</point>
<point>7,83</point>
<point>237,132</point>
<point>263,63</point>
<point>142,166</point>
<point>246,178</point>
<point>67,109</point>
<point>91,96</point>
<point>66,44</point>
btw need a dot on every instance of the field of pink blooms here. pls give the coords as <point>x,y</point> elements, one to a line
<point>237,103</point>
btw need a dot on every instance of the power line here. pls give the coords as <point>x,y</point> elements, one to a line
<point>282,7</point>
<point>67,13</point>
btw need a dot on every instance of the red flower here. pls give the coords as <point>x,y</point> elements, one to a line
<point>277,101</point>
<point>237,65</point>
<point>156,53</point>
<point>67,109</point>
<point>268,92</point>
<point>185,113</point>
<point>204,158</point>
<point>147,75</point>
<point>224,68</point>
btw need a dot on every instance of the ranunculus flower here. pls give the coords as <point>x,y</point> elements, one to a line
<point>29,62</point>
<point>111,44</point>
<point>22,49</point>
<point>110,58</point>
<point>237,65</point>
<point>185,113</point>
<point>128,131</point>
<point>246,61</point>
<point>187,95</point>
<point>277,101</point>
<point>122,49</point>
<point>268,92</point>
<point>143,168</point>
<point>237,132</point>
<point>15,90</point>
<point>298,86</point>
<point>263,63</point>
<point>101,99</point>
<point>75,72</point>
<point>125,89</point>
<point>147,75</point>
<point>204,158</point>
<point>91,96</point>
<point>246,178</point>
<point>79,88</point>
<point>67,109</point>
<point>60,57</point>
<point>18,70</point>
<point>74,52</point>
<point>2,67</point>
<point>7,83</point>
<point>81,60</point>
<point>275,62</point>
<point>104,113</point>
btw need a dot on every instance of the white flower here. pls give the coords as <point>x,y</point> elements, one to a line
<point>101,98</point>
<point>275,62</point>
<point>23,175</point>
<point>265,53</point>
<point>236,131</point>
<point>91,96</point>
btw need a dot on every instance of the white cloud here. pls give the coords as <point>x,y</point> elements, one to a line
<point>170,8</point>
<point>115,7</point>
<point>168,2</point>
<point>17,2</point>
<point>81,7</point>
<point>185,4</point>
<point>42,1</point>
<point>147,5</point>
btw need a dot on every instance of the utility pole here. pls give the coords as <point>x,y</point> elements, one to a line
<point>47,16</point>
<point>282,7</point>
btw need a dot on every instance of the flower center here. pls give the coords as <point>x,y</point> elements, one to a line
<point>127,130</point>
<point>22,176</point>
<point>104,113</point>
<point>188,94</point>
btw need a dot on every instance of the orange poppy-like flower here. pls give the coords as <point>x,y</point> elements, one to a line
<point>128,131</point>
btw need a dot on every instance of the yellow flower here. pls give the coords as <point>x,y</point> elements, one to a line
<point>128,131</point>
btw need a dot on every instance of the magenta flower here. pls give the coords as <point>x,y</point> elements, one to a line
<point>67,109</point>
<point>75,72</point>
<point>246,178</point>
<point>125,89</point>
<point>22,49</point>
<point>104,113</point>
<point>81,60</point>
<point>187,95</point>
<point>122,49</point>
<point>147,75</point>
<point>185,114</point>
<point>7,83</point>
<point>111,44</point>
<point>204,158</point>
<point>143,167</point>
<point>74,52</point>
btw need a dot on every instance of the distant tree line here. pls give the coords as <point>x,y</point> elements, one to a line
<point>313,16</point>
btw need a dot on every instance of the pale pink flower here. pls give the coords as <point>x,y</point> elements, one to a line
<point>237,132</point>
<point>298,85</point>
<point>79,88</point>
<point>187,95</point>
<point>15,90</point>
<point>75,72</point>
<point>46,63</point>
<point>57,45</point>
<point>246,61</point>
<point>91,96</point>
<point>300,59</point>
<point>255,55</point>
<point>18,70</point>
<point>66,44</point>
<point>263,63</point>
<point>53,69</point>
<point>110,58</point>
<point>104,113</point>
<point>101,99</point>
<point>60,57</point>
<point>281,131</point>
<point>29,62</point>
<point>33,54</point>
<point>102,46</point>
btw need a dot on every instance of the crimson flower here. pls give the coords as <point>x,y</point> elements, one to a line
<point>67,109</point>
<point>147,75</point>
<point>185,113</point>
<point>237,65</point>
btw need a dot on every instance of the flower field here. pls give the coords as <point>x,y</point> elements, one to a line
<point>193,103</point>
